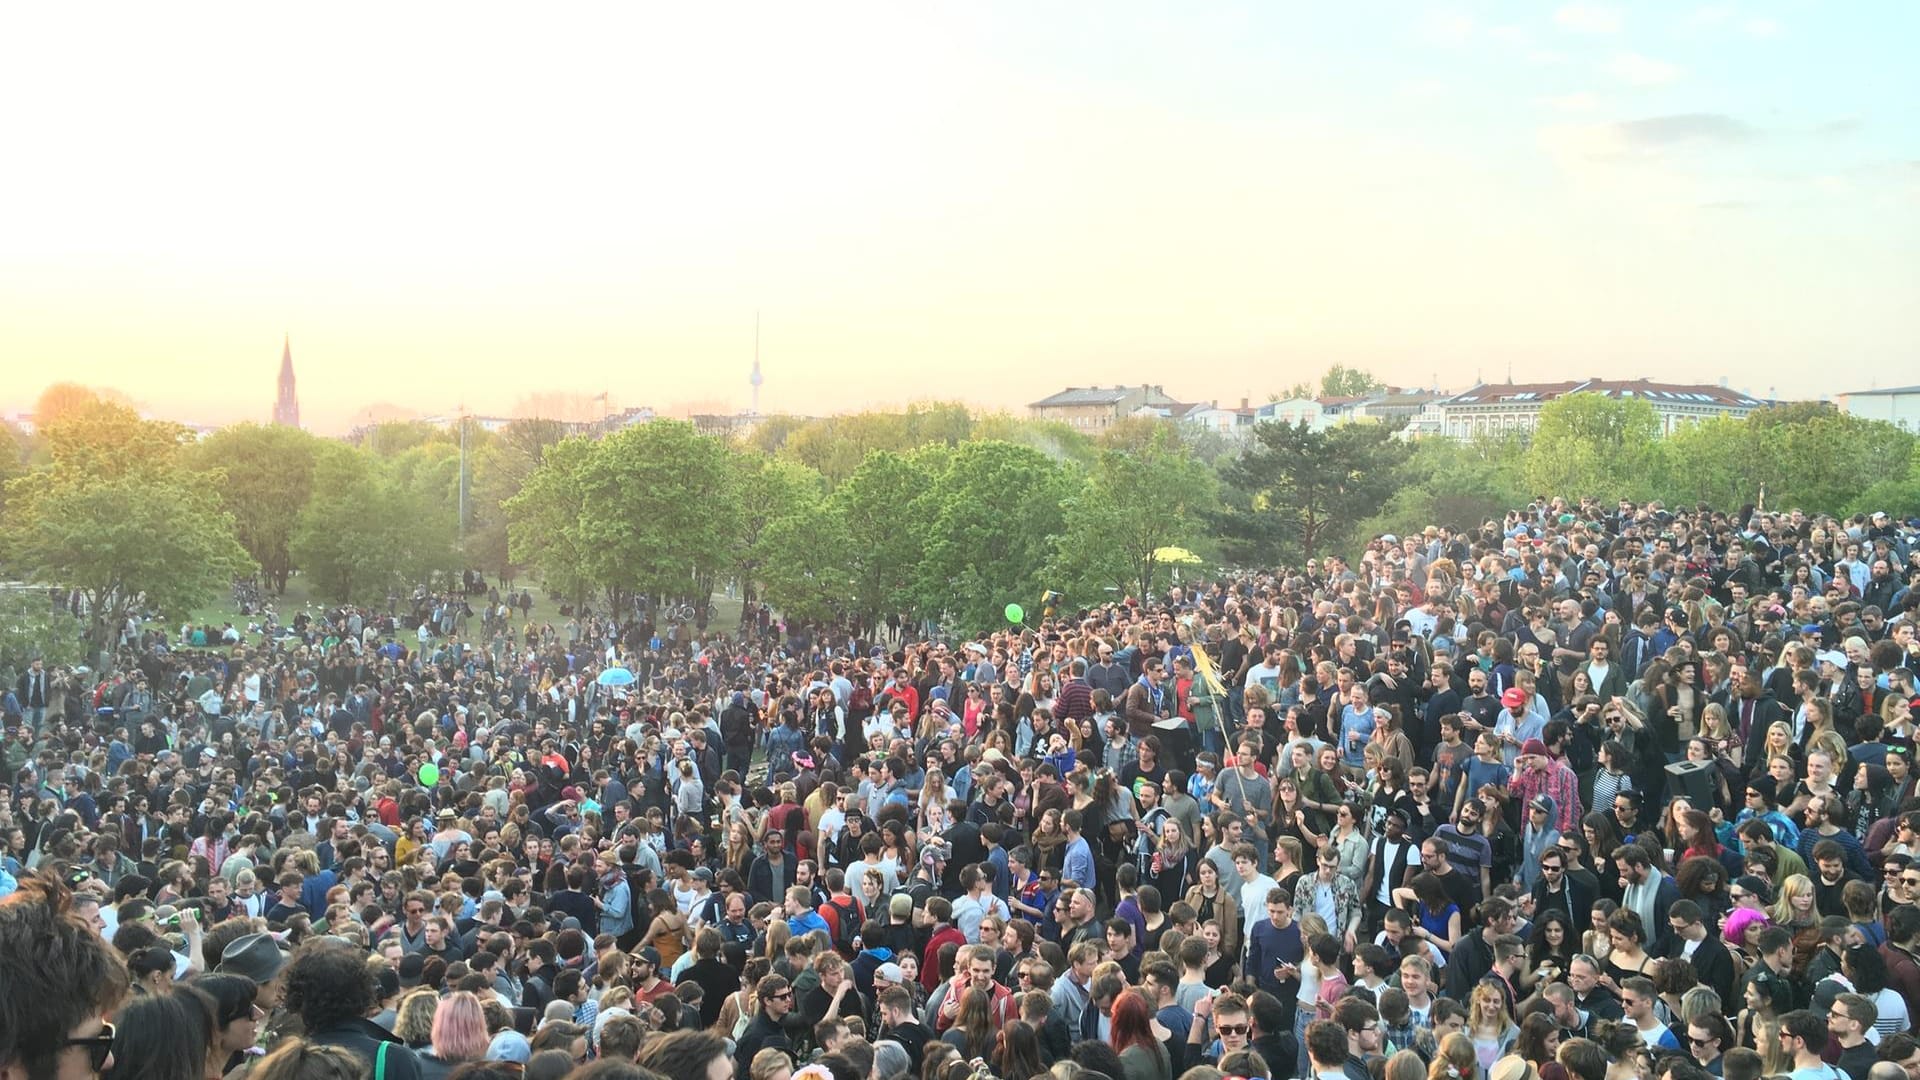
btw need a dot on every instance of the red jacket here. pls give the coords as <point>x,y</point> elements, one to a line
<point>930,956</point>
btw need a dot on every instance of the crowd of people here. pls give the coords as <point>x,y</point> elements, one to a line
<point>1588,793</point>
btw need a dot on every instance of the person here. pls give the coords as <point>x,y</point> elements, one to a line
<point>58,982</point>
<point>459,1035</point>
<point>1327,1050</point>
<point>687,1055</point>
<point>329,987</point>
<point>1849,1022</point>
<point>767,1029</point>
<point>1803,1036</point>
<point>165,1035</point>
<point>298,1059</point>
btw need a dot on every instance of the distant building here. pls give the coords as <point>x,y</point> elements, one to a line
<point>286,406</point>
<point>1494,408</point>
<point>1899,406</point>
<point>1094,409</point>
<point>1321,413</point>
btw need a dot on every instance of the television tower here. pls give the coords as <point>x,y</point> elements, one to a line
<point>753,380</point>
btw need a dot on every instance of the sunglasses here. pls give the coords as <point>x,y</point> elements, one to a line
<point>99,1047</point>
<point>1232,1029</point>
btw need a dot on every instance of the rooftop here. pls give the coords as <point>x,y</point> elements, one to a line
<point>1675,393</point>
<point>1102,395</point>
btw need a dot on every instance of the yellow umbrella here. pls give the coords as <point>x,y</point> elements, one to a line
<point>1174,555</point>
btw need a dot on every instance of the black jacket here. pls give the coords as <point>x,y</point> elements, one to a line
<point>364,1038</point>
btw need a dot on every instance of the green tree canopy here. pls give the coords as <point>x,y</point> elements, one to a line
<point>119,515</point>
<point>1135,501</point>
<point>267,477</point>
<point>368,531</point>
<point>1295,492</point>
<point>1591,445</point>
<point>990,516</point>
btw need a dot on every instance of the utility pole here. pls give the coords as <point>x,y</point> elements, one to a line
<point>463,475</point>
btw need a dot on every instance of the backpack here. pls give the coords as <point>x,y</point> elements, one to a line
<point>846,924</point>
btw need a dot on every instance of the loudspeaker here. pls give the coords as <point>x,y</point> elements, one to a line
<point>1693,779</point>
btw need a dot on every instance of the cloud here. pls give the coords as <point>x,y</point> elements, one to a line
<point>1632,140</point>
<point>1589,18</point>
<point>1762,27</point>
<point>1446,27</point>
<point>1657,131</point>
<point>1577,102</point>
<point>1635,69</point>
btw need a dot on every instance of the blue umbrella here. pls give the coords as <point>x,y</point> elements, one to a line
<point>615,676</point>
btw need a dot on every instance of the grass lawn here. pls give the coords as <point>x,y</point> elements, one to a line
<point>299,596</point>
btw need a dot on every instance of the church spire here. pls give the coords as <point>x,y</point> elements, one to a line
<point>286,406</point>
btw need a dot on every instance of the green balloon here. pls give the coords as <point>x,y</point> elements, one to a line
<point>1015,613</point>
<point>429,774</point>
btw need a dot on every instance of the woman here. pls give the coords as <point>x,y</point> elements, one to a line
<point>1693,837</point>
<point>1049,841</point>
<point>1594,940</point>
<point>667,930</point>
<point>1351,843</point>
<point>1492,1031</point>
<point>298,1059</point>
<point>1436,917</point>
<point>1864,966</point>
<point>1456,1059</point>
<point>1212,902</point>
<point>1538,1041</point>
<point>459,1036</point>
<point>1143,1054</point>
<point>163,1037</point>
<point>1174,865</point>
<point>1673,976</point>
<point>1741,927</point>
<point>1704,881</point>
<point>972,1030</point>
<point>1626,949</point>
<point>236,1019</point>
<point>1794,910</point>
<point>1016,1055</point>
<point>1758,1025</point>
<point>1550,949</point>
<point>413,1020</point>
<point>1778,743</point>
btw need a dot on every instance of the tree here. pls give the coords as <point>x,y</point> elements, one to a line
<point>267,476</point>
<point>1295,492</point>
<point>651,510</point>
<point>767,490</point>
<point>31,628</point>
<point>881,550</point>
<point>544,519</point>
<point>1594,446</point>
<point>990,516</point>
<point>61,400</point>
<point>367,532</point>
<point>1343,381</point>
<point>1459,483</point>
<point>118,516</point>
<point>498,471</point>
<point>1134,502</point>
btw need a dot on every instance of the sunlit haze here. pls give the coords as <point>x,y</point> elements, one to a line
<point>452,205</point>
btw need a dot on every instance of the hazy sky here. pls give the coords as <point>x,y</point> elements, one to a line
<point>467,203</point>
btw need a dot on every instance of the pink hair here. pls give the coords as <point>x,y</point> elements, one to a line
<point>1739,920</point>
<point>460,1029</point>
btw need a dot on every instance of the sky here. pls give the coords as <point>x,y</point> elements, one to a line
<point>455,206</point>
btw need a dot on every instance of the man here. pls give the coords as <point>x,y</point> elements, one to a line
<point>898,1024</point>
<point>1360,1022</point>
<point>1803,1036</point>
<point>1121,948</point>
<point>1254,887</point>
<point>1162,983</point>
<point>834,997</point>
<point>331,989</point>
<point>1647,892</point>
<point>1393,854</point>
<point>1435,859</point>
<point>771,874</point>
<point>1077,859</point>
<point>768,1029</point>
<point>1330,894</point>
<point>711,973</point>
<point>1594,1001</point>
<point>1327,1050</point>
<point>1274,947</point>
<point>1464,844</point>
<point>1540,773</point>
<point>973,968</point>
<point>257,957</point>
<point>1559,890</point>
<point>58,983</point>
<point>1709,1037</point>
<point>1691,940</point>
<point>1636,1004</point>
<point>1072,991</point>
<point>1849,1019</point>
<point>685,1055</point>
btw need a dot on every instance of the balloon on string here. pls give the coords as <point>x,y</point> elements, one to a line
<point>429,774</point>
<point>1016,614</point>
